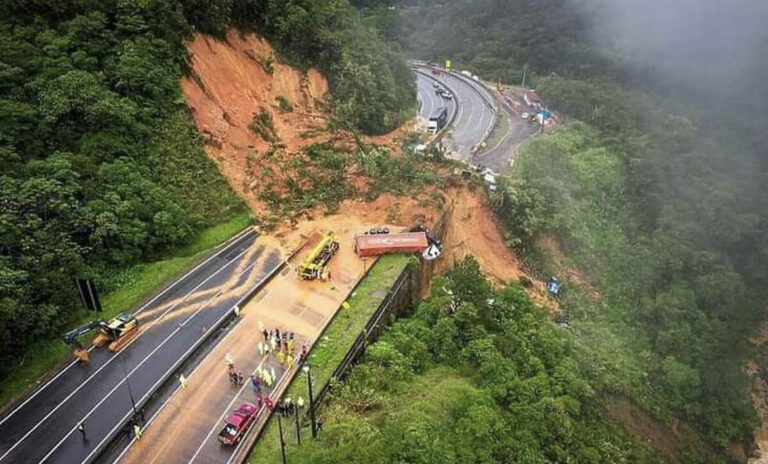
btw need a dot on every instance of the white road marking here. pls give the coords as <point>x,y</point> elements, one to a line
<point>61,403</point>
<point>122,381</point>
<point>227,409</point>
<point>174,367</point>
<point>277,385</point>
<point>142,308</point>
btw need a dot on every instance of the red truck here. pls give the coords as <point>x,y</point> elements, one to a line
<point>237,424</point>
<point>380,244</point>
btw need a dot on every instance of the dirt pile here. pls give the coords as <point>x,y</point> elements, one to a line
<point>471,229</point>
<point>256,114</point>
<point>355,216</point>
<point>245,103</point>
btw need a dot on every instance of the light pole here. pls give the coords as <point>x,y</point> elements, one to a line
<point>313,424</point>
<point>128,383</point>
<point>282,442</point>
<point>298,426</point>
<point>525,70</point>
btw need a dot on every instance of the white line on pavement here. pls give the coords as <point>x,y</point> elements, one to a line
<point>175,366</point>
<point>277,386</point>
<point>79,387</point>
<point>143,307</point>
<point>226,409</point>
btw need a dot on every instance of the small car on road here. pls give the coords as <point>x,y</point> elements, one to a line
<point>237,424</point>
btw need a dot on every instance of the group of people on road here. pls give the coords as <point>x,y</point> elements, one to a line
<point>235,377</point>
<point>263,376</point>
<point>283,345</point>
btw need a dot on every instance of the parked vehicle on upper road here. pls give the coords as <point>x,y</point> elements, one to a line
<point>447,95</point>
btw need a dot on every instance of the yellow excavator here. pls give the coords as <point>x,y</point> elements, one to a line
<point>116,333</point>
<point>315,265</point>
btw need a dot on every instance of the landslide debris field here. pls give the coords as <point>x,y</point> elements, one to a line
<point>235,80</point>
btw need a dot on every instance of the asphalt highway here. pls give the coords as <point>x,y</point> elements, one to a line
<point>500,156</point>
<point>429,101</point>
<point>475,116</point>
<point>43,428</point>
<point>185,430</point>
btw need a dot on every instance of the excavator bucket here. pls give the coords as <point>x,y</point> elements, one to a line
<point>82,355</point>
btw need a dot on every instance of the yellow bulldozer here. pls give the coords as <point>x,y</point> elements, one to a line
<point>116,333</point>
<point>315,265</point>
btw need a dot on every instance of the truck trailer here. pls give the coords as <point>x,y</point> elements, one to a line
<point>381,244</point>
<point>438,120</point>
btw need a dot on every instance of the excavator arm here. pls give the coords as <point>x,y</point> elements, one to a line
<point>70,338</point>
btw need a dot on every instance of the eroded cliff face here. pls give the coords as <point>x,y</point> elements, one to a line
<point>234,81</point>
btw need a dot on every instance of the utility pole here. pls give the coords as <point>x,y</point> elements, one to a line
<point>298,426</point>
<point>525,70</point>
<point>311,402</point>
<point>282,442</point>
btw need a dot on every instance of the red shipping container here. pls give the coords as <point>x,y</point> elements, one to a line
<point>381,244</point>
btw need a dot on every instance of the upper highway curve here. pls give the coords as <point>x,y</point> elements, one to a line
<point>475,114</point>
<point>43,428</point>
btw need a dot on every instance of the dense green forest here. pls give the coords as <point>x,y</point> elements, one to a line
<point>658,198</point>
<point>101,165</point>
<point>474,375</point>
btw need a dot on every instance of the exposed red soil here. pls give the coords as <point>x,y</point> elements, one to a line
<point>354,215</point>
<point>230,84</point>
<point>471,229</point>
<point>659,436</point>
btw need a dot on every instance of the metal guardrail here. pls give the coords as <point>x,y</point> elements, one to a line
<point>455,95</point>
<point>179,362</point>
<point>479,87</point>
<point>370,331</point>
<point>397,291</point>
<point>485,94</point>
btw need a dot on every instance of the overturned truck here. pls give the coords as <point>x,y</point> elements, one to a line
<point>381,244</point>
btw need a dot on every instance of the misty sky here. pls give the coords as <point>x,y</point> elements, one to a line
<point>708,45</point>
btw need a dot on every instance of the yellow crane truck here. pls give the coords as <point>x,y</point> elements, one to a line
<point>315,265</point>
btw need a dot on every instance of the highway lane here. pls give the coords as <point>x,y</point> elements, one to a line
<point>185,430</point>
<point>430,101</point>
<point>43,428</point>
<point>474,118</point>
<point>500,156</point>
